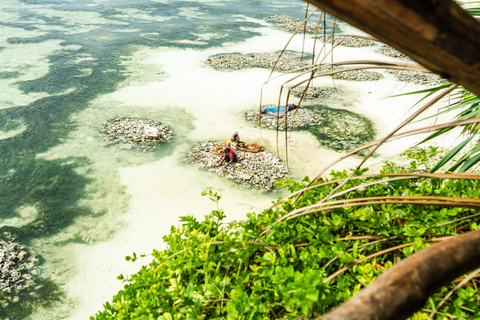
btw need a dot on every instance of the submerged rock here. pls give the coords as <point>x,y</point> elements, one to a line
<point>142,133</point>
<point>342,130</point>
<point>260,170</point>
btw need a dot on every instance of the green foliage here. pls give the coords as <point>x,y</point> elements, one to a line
<point>238,270</point>
<point>214,196</point>
<point>467,107</point>
<point>422,158</point>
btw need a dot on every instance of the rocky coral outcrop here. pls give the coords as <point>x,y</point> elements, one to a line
<point>352,75</point>
<point>283,19</point>
<point>392,52</point>
<point>287,62</point>
<point>315,92</point>
<point>18,270</point>
<point>133,132</point>
<point>418,78</point>
<point>349,41</point>
<point>296,118</point>
<point>230,61</point>
<point>291,24</point>
<point>260,170</point>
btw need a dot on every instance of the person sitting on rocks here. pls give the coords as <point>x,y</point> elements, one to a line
<point>228,155</point>
<point>236,144</point>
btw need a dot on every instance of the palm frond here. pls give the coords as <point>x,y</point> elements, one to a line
<point>474,11</point>
<point>469,108</point>
<point>470,163</point>
<point>451,154</point>
<point>468,102</point>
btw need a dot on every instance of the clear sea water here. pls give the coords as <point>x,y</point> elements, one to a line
<point>80,204</point>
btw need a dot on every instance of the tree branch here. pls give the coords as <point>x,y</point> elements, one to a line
<point>405,288</point>
<point>438,34</point>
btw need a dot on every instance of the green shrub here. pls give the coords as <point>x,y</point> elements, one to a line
<point>239,270</point>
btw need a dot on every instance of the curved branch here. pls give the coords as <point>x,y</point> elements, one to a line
<point>405,288</point>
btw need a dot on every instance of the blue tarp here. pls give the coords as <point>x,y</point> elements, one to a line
<point>276,111</point>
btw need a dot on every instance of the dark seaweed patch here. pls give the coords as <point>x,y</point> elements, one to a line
<point>45,294</point>
<point>341,130</point>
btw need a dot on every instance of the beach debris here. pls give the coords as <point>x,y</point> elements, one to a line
<point>134,132</point>
<point>18,270</point>
<point>300,117</point>
<point>350,41</point>
<point>418,78</point>
<point>278,111</point>
<point>230,61</point>
<point>150,131</point>
<point>259,170</point>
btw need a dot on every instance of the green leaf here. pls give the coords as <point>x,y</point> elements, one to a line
<point>451,154</point>
<point>464,158</point>
<point>470,163</point>
<point>467,102</point>
<point>345,258</point>
<point>336,220</point>
<point>167,316</point>
<point>473,11</point>
<point>355,247</point>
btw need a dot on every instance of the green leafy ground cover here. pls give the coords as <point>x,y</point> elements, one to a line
<point>302,267</point>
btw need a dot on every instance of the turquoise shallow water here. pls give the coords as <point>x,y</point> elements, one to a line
<point>59,60</point>
<point>58,57</point>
